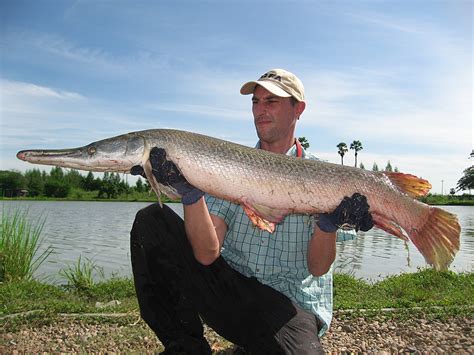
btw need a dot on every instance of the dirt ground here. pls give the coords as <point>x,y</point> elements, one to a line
<point>131,335</point>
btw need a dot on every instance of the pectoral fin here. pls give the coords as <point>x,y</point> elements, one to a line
<point>157,187</point>
<point>262,216</point>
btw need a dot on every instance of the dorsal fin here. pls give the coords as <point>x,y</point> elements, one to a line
<point>409,184</point>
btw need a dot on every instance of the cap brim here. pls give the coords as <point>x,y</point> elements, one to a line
<point>249,88</point>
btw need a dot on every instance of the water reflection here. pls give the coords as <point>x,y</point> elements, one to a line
<point>100,232</point>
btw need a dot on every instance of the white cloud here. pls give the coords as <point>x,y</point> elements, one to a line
<point>14,89</point>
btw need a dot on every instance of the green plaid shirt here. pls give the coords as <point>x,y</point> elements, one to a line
<point>279,259</point>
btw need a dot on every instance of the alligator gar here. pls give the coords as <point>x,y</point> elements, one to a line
<point>270,186</point>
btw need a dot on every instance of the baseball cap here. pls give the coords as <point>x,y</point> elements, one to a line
<point>279,82</point>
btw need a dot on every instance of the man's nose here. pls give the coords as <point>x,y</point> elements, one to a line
<point>258,109</point>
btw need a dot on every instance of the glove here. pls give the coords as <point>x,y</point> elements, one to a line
<point>352,213</point>
<point>166,173</point>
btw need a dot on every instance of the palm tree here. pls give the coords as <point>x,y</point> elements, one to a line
<point>304,142</point>
<point>342,150</point>
<point>357,146</point>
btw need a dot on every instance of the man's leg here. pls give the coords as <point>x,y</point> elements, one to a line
<point>173,289</point>
<point>257,317</point>
<point>161,263</point>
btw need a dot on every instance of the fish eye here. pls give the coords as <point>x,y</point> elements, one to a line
<point>91,150</point>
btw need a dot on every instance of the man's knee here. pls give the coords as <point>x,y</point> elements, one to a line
<point>146,226</point>
<point>157,226</point>
<point>148,214</point>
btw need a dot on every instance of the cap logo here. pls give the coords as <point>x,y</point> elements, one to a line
<point>271,76</point>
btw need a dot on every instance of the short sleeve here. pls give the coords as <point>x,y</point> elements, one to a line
<point>221,208</point>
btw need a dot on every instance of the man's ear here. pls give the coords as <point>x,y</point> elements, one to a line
<point>300,106</point>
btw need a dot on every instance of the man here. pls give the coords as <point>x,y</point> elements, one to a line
<point>267,293</point>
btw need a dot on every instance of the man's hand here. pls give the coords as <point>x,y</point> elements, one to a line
<point>352,213</point>
<point>166,173</point>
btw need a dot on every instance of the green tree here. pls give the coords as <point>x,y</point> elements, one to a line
<point>467,181</point>
<point>73,178</point>
<point>10,181</point>
<point>388,167</point>
<point>304,142</point>
<point>139,187</point>
<point>56,188</point>
<point>357,146</point>
<point>109,188</point>
<point>89,183</point>
<point>375,167</point>
<point>56,173</point>
<point>34,182</point>
<point>361,165</point>
<point>342,150</point>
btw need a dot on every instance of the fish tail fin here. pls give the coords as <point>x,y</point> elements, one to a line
<point>410,184</point>
<point>438,239</point>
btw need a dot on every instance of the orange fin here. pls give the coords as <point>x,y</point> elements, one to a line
<point>438,240</point>
<point>258,221</point>
<point>410,184</point>
<point>262,216</point>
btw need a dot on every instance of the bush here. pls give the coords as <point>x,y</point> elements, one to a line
<point>54,188</point>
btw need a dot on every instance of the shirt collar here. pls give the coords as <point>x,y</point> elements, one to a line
<point>291,152</point>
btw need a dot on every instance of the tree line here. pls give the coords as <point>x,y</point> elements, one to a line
<point>357,147</point>
<point>59,183</point>
<point>466,182</point>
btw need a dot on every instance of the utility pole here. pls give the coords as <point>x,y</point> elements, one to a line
<point>442,187</point>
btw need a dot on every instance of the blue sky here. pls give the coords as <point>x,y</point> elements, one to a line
<point>396,75</point>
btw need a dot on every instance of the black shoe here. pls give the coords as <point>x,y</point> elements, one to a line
<point>238,350</point>
<point>187,346</point>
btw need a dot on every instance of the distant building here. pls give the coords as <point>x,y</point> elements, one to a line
<point>15,193</point>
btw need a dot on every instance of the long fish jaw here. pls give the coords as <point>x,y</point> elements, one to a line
<point>116,154</point>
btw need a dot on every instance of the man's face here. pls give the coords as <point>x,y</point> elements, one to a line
<point>274,117</point>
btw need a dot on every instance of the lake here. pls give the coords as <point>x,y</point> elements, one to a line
<point>99,231</point>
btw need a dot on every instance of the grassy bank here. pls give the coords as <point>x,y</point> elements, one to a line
<point>446,291</point>
<point>81,195</point>
<point>453,200</point>
<point>429,312</point>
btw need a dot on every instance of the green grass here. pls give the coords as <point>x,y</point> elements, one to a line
<point>425,288</point>
<point>460,200</point>
<point>81,275</point>
<point>19,245</point>
<point>82,195</point>
<point>23,296</point>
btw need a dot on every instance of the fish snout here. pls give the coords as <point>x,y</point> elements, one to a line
<point>21,155</point>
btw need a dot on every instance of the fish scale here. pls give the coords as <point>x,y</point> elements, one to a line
<point>270,186</point>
